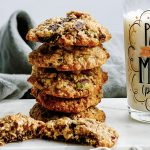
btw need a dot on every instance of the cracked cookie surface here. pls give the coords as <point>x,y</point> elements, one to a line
<point>77,28</point>
<point>82,130</point>
<point>18,128</point>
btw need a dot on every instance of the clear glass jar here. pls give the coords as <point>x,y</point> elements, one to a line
<point>137,56</point>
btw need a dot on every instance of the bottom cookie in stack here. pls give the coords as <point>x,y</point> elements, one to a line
<point>40,113</point>
<point>67,105</point>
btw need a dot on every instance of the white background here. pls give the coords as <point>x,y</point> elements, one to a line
<point>107,12</point>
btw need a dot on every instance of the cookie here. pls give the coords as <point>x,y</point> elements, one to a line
<point>40,113</point>
<point>67,84</point>
<point>83,130</point>
<point>18,127</point>
<point>67,105</point>
<point>62,60</point>
<point>77,28</point>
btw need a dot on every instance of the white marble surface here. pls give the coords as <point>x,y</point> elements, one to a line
<point>132,133</point>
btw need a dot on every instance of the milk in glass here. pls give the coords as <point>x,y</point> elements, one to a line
<point>137,56</point>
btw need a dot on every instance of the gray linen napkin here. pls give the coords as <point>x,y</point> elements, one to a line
<point>13,59</point>
<point>13,86</point>
<point>13,46</point>
<point>116,84</point>
<point>13,55</point>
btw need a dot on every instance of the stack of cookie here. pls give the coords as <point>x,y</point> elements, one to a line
<point>66,75</point>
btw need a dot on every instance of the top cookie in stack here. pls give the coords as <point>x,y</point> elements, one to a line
<point>66,74</point>
<point>77,29</point>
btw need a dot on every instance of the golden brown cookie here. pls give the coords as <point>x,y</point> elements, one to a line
<point>66,105</point>
<point>77,28</point>
<point>38,112</point>
<point>67,84</point>
<point>18,127</point>
<point>62,60</point>
<point>82,130</point>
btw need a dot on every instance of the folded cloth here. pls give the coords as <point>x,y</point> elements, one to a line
<point>13,86</point>
<point>13,46</point>
<point>116,84</point>
<point>13,59</point>
<point>13,55</point>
